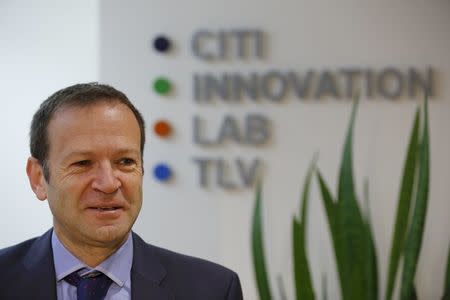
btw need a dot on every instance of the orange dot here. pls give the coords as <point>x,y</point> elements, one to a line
<point>162,128</point>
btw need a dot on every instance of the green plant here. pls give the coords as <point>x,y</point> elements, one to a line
<point>351,231</point>
<point>259,261</point>
<point>403,207</point>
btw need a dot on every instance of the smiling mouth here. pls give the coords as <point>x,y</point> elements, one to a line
<point>107,208</point>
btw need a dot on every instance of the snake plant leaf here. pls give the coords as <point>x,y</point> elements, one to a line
<point>302,274</point>
<point>305,195</point>
<point>447,279</point>
<point>352,233</point>
<point>346,191</point>
<point>403,206</point>
<point>346,223</point>
<point>328,202</point>
<point>259,261</point>
<point>415,233</point>
<point>372,267</point>
<point>330,208</point>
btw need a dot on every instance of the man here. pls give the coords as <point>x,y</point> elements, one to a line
<point>86,144</point>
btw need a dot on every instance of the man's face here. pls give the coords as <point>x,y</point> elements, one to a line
<point>95,164</point>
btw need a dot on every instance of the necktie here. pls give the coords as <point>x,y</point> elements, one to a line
<point>91,287</point>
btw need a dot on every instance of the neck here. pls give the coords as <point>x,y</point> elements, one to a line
<point>91,255</point>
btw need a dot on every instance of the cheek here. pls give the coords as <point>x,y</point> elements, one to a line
<point>66,195</point>
<point>132,184</point>
<point>57,201</point>
<point>133,195</point>
<point>58,205</point>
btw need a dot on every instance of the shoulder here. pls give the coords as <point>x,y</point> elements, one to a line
<point>188,263</point>
<point>203,279</point>
<point>174,260</point>
<point>12,264</point>
<point>11,255</point>
<point>27,253</point>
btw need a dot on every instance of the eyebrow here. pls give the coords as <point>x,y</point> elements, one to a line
<point>122,151</point>
<point>129,150</point>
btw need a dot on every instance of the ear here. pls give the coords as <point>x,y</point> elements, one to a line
<point>36,177</point>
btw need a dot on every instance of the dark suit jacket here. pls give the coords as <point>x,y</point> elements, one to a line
<point>27,272</point>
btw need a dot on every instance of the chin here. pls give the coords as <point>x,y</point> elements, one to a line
<point>110,234</point>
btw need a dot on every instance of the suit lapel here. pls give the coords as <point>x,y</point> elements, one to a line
<point>147,273</point>
<point>40,281</point>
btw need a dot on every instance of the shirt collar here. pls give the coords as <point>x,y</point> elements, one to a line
<point>117,266</point>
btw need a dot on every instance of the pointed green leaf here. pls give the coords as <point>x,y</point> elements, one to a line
<point>403,206</point>
<point>347,224</point>
<point>330,208</point>
<point>346,191</point>
<point>351,229</point>
<point>305,195</point>
<point>415,233</point>
<point>328,201</point>
<point>372,266</point>
<point>302,274</point>
<point>259,261</point>
<point>352,237</point>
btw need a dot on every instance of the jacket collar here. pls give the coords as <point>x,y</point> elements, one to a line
<point>40,280</point>
<point>147,273</point>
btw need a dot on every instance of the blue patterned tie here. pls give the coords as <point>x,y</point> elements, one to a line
<point>93,286</point>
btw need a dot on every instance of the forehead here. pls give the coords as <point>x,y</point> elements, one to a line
<point>103,120</point>
<point>87,106</point>
<point>84,113</point>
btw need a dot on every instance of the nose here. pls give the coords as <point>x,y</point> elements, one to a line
<point>105,179</point>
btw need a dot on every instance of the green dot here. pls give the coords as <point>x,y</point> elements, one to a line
<point>161,86</point>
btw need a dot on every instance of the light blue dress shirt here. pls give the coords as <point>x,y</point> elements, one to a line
<point>117,267</point>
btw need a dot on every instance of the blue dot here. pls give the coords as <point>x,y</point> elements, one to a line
<point>162,172</point>
<point>161,44</point>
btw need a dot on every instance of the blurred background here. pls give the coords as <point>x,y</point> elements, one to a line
<point>47,45</point>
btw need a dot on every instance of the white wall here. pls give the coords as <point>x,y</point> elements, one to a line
<point>216,224</point>
<point>55,44</point>
<point>44,46</point>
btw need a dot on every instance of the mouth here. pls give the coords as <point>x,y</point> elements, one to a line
<point>106,208</point>
<point>106,212</point>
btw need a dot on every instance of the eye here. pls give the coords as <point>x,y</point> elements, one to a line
<point>126,161</point>
<point>82,163</point>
